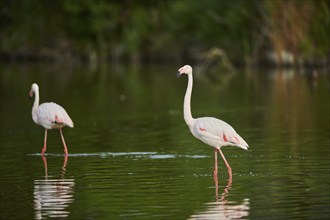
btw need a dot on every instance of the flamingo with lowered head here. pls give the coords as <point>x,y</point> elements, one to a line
<point>209,130</point>
<point>49,115</point>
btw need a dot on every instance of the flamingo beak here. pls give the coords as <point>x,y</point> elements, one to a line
<point>31,94</point>
<point>178,74</point>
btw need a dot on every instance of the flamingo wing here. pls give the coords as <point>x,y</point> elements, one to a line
<point>51,115</point>
<point>217,133</point>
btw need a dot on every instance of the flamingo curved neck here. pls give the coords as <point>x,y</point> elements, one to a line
<point>186,106</point>
<point>35,106</point>
<point>36,100</point>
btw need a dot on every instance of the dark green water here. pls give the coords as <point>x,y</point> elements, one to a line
<point>131,156</point>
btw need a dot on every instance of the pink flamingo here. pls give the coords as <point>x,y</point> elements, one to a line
<point>49,115</point>
<point>211,131</point>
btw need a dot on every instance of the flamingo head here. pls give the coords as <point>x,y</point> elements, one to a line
<point>186,69</point>
<point>34,88</point>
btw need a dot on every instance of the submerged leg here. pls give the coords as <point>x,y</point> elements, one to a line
<point>44,159</point>
<point>216,185</point>
<point>227,164</point>
<point>45,144</point>
<point>65,162</point>
<point>225,190</point>
<point>65,148</point>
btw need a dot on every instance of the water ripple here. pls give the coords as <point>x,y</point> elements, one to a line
<point>151,155</point>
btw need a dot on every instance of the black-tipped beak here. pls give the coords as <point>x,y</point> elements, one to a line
<point>30,94</point>
<point>178,74</point>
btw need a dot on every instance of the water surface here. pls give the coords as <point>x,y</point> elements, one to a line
<point>131,155</point>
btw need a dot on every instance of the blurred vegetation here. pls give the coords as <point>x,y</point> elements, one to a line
<point>248,32</point>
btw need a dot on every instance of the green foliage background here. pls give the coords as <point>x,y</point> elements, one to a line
<point>154,30</point>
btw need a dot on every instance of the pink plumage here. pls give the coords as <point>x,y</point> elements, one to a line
<point>209,130</point>
<point>49,115</point>
<point>217,133</point>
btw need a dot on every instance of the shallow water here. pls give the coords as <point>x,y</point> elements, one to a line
<point>131,156</point>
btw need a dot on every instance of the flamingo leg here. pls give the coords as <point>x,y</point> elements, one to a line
<point>227,164</point>
<point>45,144</point>
<point>215,172</point>
<point>65,148</point>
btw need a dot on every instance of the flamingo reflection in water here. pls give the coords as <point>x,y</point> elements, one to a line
<point>222,208</point>
<point>53,196</point>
